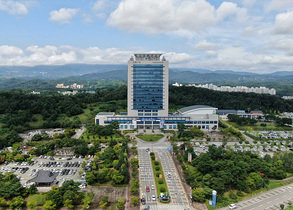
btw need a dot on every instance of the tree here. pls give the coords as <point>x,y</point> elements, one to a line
<point>87,200</point>
<point>55,196</point>
<point>134,200</point>
<point>120,203</point>
<point>90,178</point>
<point>117,177</point>
<point>32,189</point>
<point>69,204</point>
<point>181,127</point>
<point>198,195</point>
<point>2,202</point>
<point>71,196</point>
<point>32,205</point>
<point>104,202</point>
<point>196,131</point>
<point>16,202</point>
<point>49,205</point>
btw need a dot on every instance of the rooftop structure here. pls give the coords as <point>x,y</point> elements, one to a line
<point>44,178</point>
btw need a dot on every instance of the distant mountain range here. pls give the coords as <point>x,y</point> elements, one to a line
<point>119,72</point>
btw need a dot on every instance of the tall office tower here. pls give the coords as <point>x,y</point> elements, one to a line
<point>148,85</point>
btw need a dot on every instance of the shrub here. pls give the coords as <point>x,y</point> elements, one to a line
<point>158,174</point>
<point>157,163</point>
<point>162,189</point>
<point>157,168</point>
<point>232,196</point>
<point>153,157</point>
<point>160,181</point>
<point>240,193</point>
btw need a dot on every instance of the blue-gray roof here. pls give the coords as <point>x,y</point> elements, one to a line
<point>189,108</point>
<point>44,177</point>
<point>226,111</point>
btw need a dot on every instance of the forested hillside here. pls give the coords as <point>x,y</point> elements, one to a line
<point>187,96</point>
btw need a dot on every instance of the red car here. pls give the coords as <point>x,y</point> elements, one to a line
<point>147,189</point>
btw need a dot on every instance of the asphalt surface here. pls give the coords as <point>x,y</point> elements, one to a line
<point>178,196</point>
<point>270,200</point>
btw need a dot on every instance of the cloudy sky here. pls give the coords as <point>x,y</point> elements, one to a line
<point>239,35</point>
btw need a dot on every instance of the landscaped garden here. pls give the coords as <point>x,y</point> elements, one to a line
<point>160,180</point>
<point>150,137</point>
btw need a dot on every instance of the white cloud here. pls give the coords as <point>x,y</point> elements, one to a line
<point>211,54</point>
<point>279,5</point>
<point>10,50</point>
<point>16,7</point>
<point>171,16</point>
<point>232,58</point>
<point>204,45</point>
<point>102,8</point>
<point>63,15</point>
<point>284,46</point>
<point>249,3</point>
<point>284,23</point>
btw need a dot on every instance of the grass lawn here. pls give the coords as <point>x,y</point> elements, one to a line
<point>90,137</point>
<point>40,199</point>
<point>258,127</point>
<point>38,123</point>
<point>289,208</point>
<point>150,137</point>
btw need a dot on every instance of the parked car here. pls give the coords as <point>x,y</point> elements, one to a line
<point>232,206</point>
<point>143,201</point>
<point>153,198</point>
<point>147,188</point>
<point>153,187</point>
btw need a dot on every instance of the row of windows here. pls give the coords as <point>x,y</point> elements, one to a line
<point>190,122</point>
<point>200,127</point>
<point>120,121</point>
<point>148,114</point>
<point>136,107</point>
<point>147,110</point>
<point>126,126</point>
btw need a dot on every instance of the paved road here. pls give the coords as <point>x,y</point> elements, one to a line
<point>269,200</point>
<point>78,133</point>
<point>146,177</point>
<point>177,193</point>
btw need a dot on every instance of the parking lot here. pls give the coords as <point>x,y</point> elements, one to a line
<point>67,169</point>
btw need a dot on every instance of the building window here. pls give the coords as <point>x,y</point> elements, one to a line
<point>148,80</point>
<point>121,126</point>
<point>140,114</point>
<point>148,114</point>
<point>195,122</point>
<point>125,126</point>
<point>203,127</point>
<point>97,122</point>
<point>199,122</point>
<point>131,126</point>
<point>174,126</point>
<point>165,126</point>
<point>208,127</point>
<point>170,126</point>
<point>155,114</point>
<point>215,122</point>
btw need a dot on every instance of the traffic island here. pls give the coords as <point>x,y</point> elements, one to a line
<point>161,185</point>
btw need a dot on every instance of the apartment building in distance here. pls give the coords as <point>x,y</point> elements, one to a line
<point>259,90</point>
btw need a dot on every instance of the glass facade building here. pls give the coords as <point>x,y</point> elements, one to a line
<point>148,77</point>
